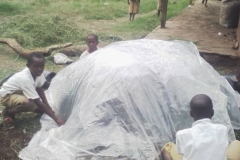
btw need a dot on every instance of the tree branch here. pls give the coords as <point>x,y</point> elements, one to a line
<point>26,52</point>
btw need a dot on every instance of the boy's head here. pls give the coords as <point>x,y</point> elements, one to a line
<point>92,42</point>
<point>201,107</point>
<point>36,64</point>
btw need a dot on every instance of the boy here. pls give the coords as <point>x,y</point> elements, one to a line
<point>133,8</point>
<point>92,42</point>
<point>205,140</point>
<point>23,91</point>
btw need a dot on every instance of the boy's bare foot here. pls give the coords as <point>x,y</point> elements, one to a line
<point>8,120</point>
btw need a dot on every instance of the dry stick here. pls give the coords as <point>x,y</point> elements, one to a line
<point>25,52</point>
<point>164,13</point>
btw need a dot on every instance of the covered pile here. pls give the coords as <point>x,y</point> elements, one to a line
<point>125,101</point>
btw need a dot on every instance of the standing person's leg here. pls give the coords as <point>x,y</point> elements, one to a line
<point>233,151</point>
<point>130,10</point>
<point>130,16</point>
<point>159,11</point>
<point>133,15</point>
<point>169,152</point>
<point>136,5</point>
<point>159,8</point>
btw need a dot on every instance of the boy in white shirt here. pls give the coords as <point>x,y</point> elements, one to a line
<point>23,91</point>
<point>205,140</point>
<point>92,42</point>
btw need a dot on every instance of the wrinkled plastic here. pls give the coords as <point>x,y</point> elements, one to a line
<point>126,100</point>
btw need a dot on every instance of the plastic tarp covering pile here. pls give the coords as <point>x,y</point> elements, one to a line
<point>126,100</point>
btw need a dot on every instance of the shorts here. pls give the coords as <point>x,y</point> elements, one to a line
<point>134,6</point>
<point>232,153</point>
<point>12,100</point>
<point>172,151</point>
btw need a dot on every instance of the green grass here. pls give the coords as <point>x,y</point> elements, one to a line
<point>175,7</point>
<point>99,10</point>
<point>147,6</point>
<point>142,24</point>
<point>7,8</point>
<point>39,31</point>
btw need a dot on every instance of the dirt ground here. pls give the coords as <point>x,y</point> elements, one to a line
<point>15,139</point>
<point>200,25</point>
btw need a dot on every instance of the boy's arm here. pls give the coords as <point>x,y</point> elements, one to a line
<point>42,107</point>
<point>41,94</point>
<point>31,93</point>
<point>128,2</point>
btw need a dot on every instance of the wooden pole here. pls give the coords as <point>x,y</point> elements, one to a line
<point>164,13</point>
<point>190,2</point>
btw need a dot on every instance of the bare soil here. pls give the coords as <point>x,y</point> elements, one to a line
<point>13,140</point>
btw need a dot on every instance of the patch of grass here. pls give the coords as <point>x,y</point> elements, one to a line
<point>42,2</point>
<point>39,31</point>
<point>142,24</point>
<point>7,8</point>
<point>196,42</point>
<point>148,6</point>
<point>29,122</point>
<point>101,9</point>
<point>175,7</point>
<point>103,37</point>
<point>11,63</point>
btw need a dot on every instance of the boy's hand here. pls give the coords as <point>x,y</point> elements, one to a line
<point>59,122</point>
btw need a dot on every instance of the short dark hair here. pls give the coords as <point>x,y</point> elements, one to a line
<point>37,55</point>
<point>201,106</point>
<point>93,35</point>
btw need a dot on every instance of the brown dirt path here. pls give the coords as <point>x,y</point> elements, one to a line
<point>200,25</point>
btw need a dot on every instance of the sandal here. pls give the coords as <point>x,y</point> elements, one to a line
<point>8,120</point>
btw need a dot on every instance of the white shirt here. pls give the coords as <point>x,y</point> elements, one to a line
<point>85,53</point>
<point>23,81</point>
<point>204,141</point>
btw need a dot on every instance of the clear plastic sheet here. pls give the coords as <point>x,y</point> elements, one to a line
<point>128,99</point>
